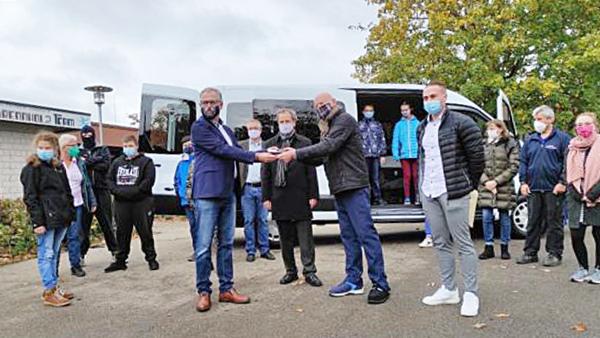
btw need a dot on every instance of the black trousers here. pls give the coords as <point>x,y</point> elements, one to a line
<point>545,215</point>
<point>104,216</point>
<point>577,239</point>
<point>140,215</point>
<point>289,232</point>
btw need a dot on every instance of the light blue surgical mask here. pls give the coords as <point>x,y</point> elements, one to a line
<point>433,107</point>
<point>129,151</point>
<point>45,155</point>
<point>369,114</point>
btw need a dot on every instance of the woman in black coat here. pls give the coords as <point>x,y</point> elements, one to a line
<point>49,202</point>
<point>291,191</point>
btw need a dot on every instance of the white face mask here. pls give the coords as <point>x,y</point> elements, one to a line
<point>492,134</point>
<point>539,126</point>
<point>254,133</point>
<point>286,128</point>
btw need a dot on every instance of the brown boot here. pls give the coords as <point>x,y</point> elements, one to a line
<point>203,304</point>
<point>53,298</point>
<point>232,296</point>
<point>65,294</point>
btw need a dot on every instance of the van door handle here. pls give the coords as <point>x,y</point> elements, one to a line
<point>157,165</point>
<point>169,189</point>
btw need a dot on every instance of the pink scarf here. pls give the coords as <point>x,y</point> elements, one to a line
<point>576,171</point>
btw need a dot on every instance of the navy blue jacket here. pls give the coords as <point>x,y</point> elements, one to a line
<point>215,160</point>
<point>543,160</point>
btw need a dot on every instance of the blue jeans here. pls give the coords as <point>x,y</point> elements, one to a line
<point>488,226</point>
<point>48,247</point>
<point>74,237</point>
<point>374,166</point>
<point>191,217</point>
<point>427,228</point>
<point>255,213</point>
<point>358,233</point>
<point>214,214</point>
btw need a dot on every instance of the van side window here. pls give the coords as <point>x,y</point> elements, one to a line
<point>478,118</point>
<point>165,122</point>
<point>238,113</point>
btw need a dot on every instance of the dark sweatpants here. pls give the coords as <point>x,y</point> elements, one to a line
<point>104,216</point>
<point>140,215</point>
<point>302,230</point>
<point>545,215</point>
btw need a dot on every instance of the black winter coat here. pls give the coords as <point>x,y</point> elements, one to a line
<point>341,151</point>
<point>461,146</point>
<point>97,161</point>
<point>47,194</point>
<point>290,203</point>
<point>132,179</point>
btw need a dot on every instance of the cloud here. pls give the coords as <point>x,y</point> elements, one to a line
<point>52,49</point>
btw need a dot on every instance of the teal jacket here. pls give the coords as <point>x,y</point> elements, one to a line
<point>404,141</point>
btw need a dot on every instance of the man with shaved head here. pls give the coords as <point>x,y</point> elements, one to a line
<point>341,151</point>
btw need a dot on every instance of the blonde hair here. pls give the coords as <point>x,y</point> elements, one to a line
<point>591,115</point>
<point>500,125</point>
<point>44,136</point>
<point>66,138</point>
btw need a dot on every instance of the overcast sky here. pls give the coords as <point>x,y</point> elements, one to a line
<point>50,50</point>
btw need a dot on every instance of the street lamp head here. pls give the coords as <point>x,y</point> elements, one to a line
<point>98,93</point>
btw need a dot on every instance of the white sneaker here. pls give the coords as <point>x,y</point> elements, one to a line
<point>442,296</point>
<point>470,306</point>
<point>427,243</point>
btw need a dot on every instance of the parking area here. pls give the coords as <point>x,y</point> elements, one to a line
<point>517,301</point>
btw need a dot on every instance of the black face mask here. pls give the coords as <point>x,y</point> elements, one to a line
<point>88,142</point>
<point>212,113</point>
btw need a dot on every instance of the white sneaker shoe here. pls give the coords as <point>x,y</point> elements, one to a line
<point>427,243</point>
<point>442,296</point>
<point>470,305</point>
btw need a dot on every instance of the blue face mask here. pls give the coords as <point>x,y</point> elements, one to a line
<point>433,107</point>
<point>369,114</point>
<point>45,155</point>
<point>188,149</point>
<point>129,151</point>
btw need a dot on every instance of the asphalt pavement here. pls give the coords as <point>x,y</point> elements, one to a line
<point>516,301</point>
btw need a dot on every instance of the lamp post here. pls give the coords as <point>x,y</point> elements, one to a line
<point>99,100</point>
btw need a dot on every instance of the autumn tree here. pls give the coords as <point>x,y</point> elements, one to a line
<point>537,51</point>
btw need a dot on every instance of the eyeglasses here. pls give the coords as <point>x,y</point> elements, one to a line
<point>210,102</point>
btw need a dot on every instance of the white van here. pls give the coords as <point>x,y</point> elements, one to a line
<point>167,113</point>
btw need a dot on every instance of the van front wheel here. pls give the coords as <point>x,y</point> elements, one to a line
<point>519,220</point>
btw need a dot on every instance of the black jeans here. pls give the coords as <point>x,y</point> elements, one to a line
<point>289,231</point>
<point>545,215</point>
<point>374,166</point>
<point>104,216</point>
<point>577,239</point>
<point>141,216</point>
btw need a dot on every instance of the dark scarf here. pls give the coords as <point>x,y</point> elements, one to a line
<point>281,169</point>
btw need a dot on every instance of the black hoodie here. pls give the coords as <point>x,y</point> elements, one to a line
<point>131,179</point>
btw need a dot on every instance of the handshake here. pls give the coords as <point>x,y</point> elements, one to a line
<point>274,153</point>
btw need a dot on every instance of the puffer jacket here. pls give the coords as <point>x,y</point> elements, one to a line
<point>404,142</point>
<point>47,194</point>
<point>461,146</point>
<point>501,165</point>
<point>373,138</point>
<point>341,151</point>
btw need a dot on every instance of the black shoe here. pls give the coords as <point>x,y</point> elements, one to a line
<point>313,280</point>
<point>552,260</point>
<point>526,259</point>
<point>487,253</point>
<point>378,295</point>
<point>153,265</point>
<point>250,258</point>
<point>288,278</point>
<point>504,251</point>
<point>77,272</point>
<point>268,256</point>
<point>116,266</point>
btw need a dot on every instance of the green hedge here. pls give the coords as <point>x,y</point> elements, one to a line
<point>16,233</point>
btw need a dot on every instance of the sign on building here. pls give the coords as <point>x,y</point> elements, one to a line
<point>43,116</point>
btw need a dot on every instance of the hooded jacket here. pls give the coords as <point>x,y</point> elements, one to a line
<point>131,179</point>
